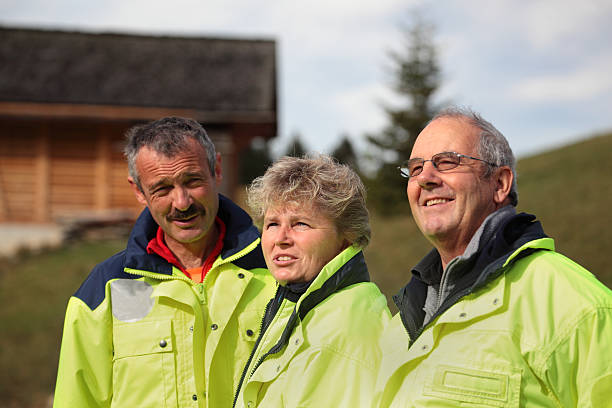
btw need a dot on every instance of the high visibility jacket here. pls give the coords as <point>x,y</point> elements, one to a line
<point>535,329</point>
<point>139,333</point>
<point>320,351</point>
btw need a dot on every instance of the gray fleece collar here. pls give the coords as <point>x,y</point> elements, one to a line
<point>439,291</point>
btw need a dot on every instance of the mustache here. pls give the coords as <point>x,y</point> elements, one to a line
<point>178,215</point>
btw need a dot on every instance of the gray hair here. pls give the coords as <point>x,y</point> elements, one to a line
<point>492,147</point>
<point>167,136</point>
<point>332,188</point>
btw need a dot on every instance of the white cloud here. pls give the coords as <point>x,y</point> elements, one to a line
<point>359,109</point>
<point>580,85</point>
<point>554,23</point>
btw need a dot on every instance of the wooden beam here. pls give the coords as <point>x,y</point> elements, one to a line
<point>42,190</point>
<point>3,209</point>
<point>102,180</point>
<point>135,113</point>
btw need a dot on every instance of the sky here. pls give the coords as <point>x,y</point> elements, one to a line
<point>539,70</point>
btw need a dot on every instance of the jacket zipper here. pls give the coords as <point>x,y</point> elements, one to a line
<point>158,276</point>
<point>261,334</point>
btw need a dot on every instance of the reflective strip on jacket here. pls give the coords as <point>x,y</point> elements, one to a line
<point>331,356</point>
<point>538,335</point>
<point>139,333</point>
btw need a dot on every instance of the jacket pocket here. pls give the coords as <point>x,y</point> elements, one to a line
<point>144,365</point>
<point>475,387</point>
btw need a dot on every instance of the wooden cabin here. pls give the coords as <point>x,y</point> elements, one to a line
<point>67,98</point>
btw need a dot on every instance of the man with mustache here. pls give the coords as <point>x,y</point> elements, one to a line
<point>492,316</point>
<point>169,321</point>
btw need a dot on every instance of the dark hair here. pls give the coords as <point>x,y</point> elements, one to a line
<point>167,136</point>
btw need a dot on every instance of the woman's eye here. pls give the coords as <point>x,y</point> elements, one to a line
<point>300,225</point>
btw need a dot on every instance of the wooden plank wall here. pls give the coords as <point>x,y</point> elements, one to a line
<point>18,169</point>
<point>119,192</point>
<point>56,170</point>
<point>73,178</point>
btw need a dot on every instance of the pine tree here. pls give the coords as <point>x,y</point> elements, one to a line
<point>295,148</point>
<point>254,160</point>
<point>345,153</point>
<point>416,78</point>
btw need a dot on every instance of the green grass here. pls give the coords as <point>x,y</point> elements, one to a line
<point>34,291</point>
<point>568,189</point>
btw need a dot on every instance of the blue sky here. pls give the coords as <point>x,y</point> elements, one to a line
<point>537,69</point>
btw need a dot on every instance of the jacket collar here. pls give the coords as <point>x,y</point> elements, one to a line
<point>508,245</point>
<point>346,269</point>
<point>240,233</point>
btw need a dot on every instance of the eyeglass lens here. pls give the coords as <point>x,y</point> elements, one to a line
<point>441,161</point>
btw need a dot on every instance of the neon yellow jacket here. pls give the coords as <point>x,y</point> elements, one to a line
<point>538,334</point>
<point>321,351</point>
<point>139,333</point>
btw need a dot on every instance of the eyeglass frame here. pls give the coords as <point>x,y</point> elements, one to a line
<point>404,165</point>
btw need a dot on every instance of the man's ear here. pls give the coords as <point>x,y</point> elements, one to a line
<point>137,192</point>
<point>503,178</point>
<point>218,171</point>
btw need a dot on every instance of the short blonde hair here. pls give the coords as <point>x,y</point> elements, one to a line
<point>331,187</point>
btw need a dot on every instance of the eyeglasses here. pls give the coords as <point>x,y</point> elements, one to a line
<point>442,162</point>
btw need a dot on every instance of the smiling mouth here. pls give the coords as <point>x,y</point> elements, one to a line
<point>435,201</point>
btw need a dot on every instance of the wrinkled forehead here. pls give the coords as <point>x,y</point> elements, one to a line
<point>181,147</point>
<point>446,135</point>
<point>152,163</point>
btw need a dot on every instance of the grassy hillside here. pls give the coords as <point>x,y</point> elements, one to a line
<point>568,189</point>
<point>34,291</point>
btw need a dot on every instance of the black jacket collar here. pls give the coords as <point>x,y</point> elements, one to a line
<point>484,267</point>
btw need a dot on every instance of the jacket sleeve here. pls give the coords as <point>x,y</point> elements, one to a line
<point>579,370</point>
<point>84,377</point>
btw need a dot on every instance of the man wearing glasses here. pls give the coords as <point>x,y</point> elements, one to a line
<point>492,316</point>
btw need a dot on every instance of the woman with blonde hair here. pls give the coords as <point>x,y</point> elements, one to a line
<point>318,343</point>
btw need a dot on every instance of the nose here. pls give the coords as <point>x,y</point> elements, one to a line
<point>283,236</point>
<point>429,176</point>
<point>181,199</point>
